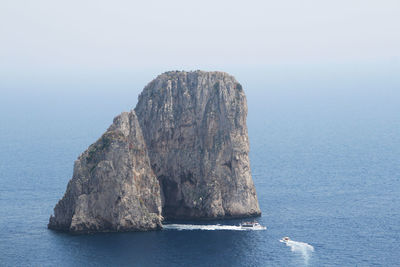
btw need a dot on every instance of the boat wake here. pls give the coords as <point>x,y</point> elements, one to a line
<point>217,227</point>
<point>304,249</point>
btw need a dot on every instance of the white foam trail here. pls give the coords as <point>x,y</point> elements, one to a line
<point>216,227</point>
<point>301,248</point>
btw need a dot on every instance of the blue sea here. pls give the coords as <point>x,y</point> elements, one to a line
<point>325,157</point>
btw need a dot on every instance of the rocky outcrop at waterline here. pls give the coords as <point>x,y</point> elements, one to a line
<point>182,154</point>
<point>194,125</point>
<point>113,187</point>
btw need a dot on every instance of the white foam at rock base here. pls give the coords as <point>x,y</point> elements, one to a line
<point>216,227</point>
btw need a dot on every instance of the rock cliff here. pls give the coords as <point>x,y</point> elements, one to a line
<point>113,186</point>
<point>182,154</point>
<point>194,125</point>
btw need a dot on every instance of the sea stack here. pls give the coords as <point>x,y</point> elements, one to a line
<point>113,187</point>
<point>194,125</point>
<point>183,153</point>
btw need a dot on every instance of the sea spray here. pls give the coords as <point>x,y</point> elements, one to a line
<point>300,248</point>
<point>216,227</point>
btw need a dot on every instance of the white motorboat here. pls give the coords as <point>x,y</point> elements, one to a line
<point>285,239</point>
<point>250,225</point>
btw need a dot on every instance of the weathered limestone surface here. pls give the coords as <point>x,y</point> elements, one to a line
<point>194,125</point>
<point>185,155</point>
<point>113,186</point>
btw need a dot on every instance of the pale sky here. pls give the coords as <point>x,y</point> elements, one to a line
<point>50,35</point>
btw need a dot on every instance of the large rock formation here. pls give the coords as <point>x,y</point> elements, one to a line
<point>194,124</point>
<point>113,186</point>
<point>189,138</point>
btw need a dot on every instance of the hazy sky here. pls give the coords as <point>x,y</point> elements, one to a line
<point>56,36</point>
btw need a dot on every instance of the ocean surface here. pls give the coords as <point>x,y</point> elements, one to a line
<point>325,157</point>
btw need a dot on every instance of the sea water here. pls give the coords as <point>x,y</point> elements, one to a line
<point>325,158</point>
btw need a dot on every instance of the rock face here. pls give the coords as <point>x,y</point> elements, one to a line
<point>113,186</point>
<point>185,155</point>
<point>194,125</point>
